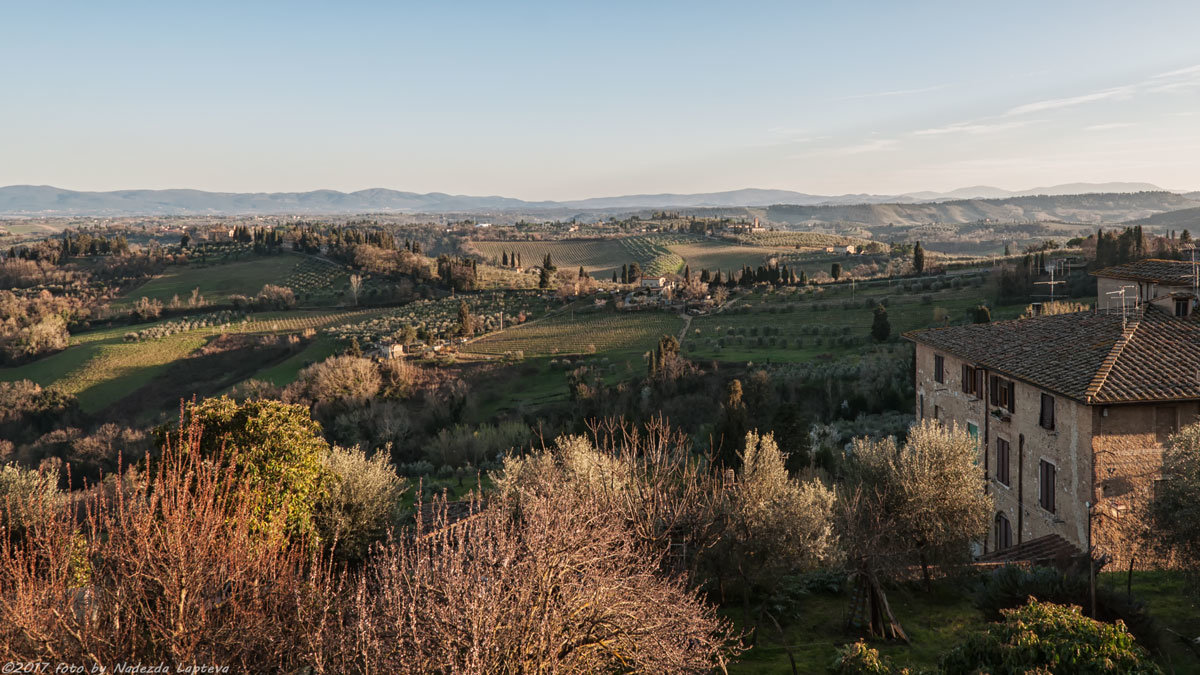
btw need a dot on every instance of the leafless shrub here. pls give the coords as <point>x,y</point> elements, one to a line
<point>559,586</point>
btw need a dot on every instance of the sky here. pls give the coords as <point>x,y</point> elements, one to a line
<point>568,100</point>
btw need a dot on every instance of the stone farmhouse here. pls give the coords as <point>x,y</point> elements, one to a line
<point>1071,411</point>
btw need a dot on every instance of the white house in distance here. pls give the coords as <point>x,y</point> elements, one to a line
<point>656,283</point>
<point>390,350</point>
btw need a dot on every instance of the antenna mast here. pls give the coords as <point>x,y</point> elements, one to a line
<point>1051,267</point>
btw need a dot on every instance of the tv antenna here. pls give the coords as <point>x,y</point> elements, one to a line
<point>1051,268</point>
<point>1120,293</point>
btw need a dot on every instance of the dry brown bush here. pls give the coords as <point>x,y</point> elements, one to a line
<point>166,566</point>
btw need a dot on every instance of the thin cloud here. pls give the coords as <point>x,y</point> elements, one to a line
<point>1070,101</point>
<point>1190,70</point>
<point>869,146</point>
<point>1110,125</point>
<point>896,92</point>
<point>973,128</point>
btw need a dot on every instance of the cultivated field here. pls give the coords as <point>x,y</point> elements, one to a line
<point>722,255</point>
<point>102,367</point>
<point>216,282</point>
<point>800,324</point>
<point>438,319</point>
<point>581,332</point>
<point>598,257</point>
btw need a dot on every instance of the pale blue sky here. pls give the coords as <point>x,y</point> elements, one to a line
<point>562,100</point>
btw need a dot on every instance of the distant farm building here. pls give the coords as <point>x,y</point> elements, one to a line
<point>392,350</point>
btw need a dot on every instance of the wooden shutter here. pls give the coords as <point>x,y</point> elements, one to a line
<point>1046,487</point>
<point>1002,461</point>
<point>1047,416</point>
<point>966,379</point>
<point>1012,396</point>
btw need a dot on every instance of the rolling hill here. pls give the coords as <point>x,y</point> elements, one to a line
<point>1083,208</point>
<point>46,201</point>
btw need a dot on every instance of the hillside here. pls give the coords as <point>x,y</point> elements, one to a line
<point>1086,208</point>
<point>1181,219</point>
<point>41,200</point>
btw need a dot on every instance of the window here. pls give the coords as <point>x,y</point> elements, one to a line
<point>1004,393</point>
<point>922,404</point>
<point>1046,486</point>
<point>1165,422</point>
<point>939,369</point>
<point>937,412</point>
<point>1003,532</point>
<point>1182,305</point>
<point>1047,417</point>
<point>972,381</point>
<point>1002,452</point>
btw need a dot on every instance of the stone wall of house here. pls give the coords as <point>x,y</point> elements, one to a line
<point>1146,292</point>
<point>1127,452</point>
<point>1067,447</point>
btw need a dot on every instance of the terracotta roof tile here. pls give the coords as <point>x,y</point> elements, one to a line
<point>1170,272</point>
<point>1087,356</point>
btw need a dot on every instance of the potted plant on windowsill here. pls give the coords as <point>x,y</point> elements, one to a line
<point>1002,414</point>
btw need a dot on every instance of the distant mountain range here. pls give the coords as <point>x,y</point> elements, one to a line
<point>40,200</point>
<point>1099,209</point>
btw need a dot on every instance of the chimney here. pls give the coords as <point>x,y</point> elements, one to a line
<point>1037,308</point>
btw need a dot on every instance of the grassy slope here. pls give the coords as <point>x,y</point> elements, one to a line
<point>598,257</point>
<point>101,368</point>
<point>216,283</point>
<point>723,255</point>
<point>937,621</point>
<point>906,311</point>
<point>580,332</point>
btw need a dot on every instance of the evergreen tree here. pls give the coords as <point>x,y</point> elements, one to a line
<point>544,278</point>
<point>466,322</point>
<point>836,271</point>
<point>881,329</point>
<point>981,314</point>
<point>625,273</point>
<point>918,258</point>
<point>548,264</point>
<point>504,260</point>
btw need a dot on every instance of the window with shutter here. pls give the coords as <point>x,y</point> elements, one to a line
<point>1046,487</point>
<point>1047,416</point>
<point>966,379</point>
<point>939,369</point>
<point>1003,532</point>
<point>1002,461</point>
<point>1011,403</point>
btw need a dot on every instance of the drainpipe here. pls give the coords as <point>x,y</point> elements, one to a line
<point>987,388</point>
<point>1020,488</point>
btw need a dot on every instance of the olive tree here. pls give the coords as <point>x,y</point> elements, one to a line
<point>1175,509</point>
<point>920,502</point>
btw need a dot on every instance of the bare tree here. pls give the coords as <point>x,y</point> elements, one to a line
<point>355,286</point>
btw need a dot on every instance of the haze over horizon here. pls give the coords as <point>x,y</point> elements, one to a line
<point>549,102</point>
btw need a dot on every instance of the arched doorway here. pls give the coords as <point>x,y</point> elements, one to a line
<point>1003,532</point>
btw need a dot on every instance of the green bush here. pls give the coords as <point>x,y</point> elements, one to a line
<point>1049,638</point>
<point>276,446</point>
<point>859,659</point>
<point>1010,586</point>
